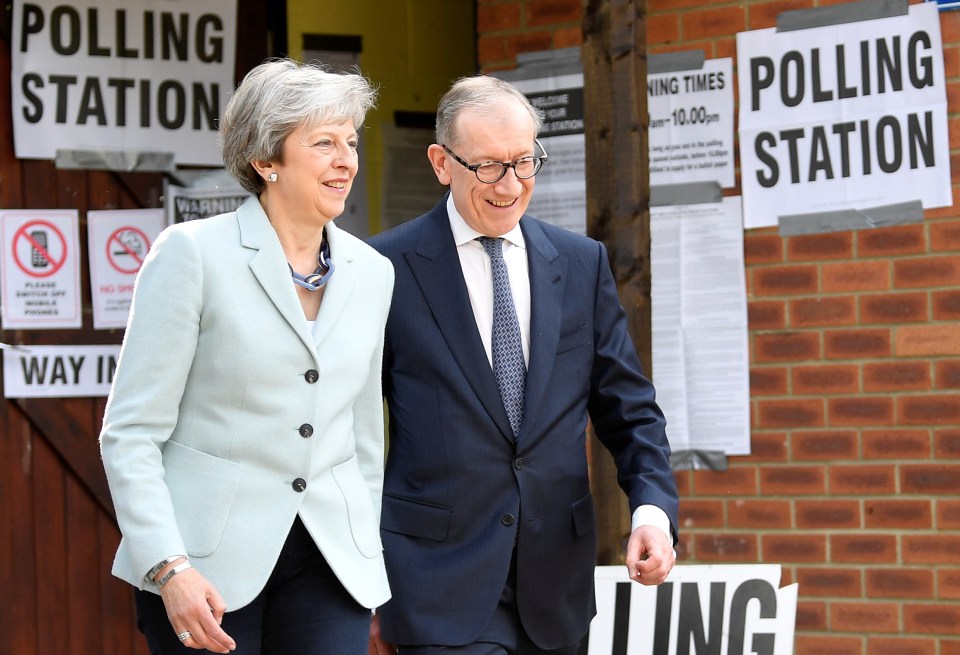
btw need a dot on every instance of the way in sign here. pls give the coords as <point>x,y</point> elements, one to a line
<point>64,370</point>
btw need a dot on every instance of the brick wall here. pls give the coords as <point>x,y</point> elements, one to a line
<point>854,481</point>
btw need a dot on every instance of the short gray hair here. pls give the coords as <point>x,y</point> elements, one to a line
<point>276,98</point>
<point>480,93</point>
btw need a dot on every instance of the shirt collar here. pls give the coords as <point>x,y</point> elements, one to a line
<point>463,233</point>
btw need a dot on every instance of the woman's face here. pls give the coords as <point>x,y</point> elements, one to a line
<point>317,170</point>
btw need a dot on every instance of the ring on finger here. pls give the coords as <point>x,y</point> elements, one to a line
<point>183,636</point>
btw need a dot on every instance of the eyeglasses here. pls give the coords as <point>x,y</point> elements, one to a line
<point>491,172</point>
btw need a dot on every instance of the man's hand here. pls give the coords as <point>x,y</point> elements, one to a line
<point>377,646</point>
<point>650,555</point>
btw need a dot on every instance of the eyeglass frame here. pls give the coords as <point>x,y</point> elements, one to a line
<point>504,165</point>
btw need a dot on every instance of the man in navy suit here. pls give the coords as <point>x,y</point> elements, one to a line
<point>488,523</point>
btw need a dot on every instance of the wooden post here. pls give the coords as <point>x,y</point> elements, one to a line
<point>614,58</point>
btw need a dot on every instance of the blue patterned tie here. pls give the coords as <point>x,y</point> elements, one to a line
<point>508,365</point>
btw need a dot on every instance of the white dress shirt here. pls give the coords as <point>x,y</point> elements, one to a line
<point>477,274</point>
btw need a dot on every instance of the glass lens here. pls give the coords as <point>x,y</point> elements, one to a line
<point>526,167</point>
<point>490,172</point>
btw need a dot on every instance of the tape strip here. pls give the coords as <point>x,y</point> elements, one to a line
<point>715,460</point>
<point>115,160</point>
<point>851,219</point>
<point>851,12</point>
<point>690,193</point>
<point>668,62</point>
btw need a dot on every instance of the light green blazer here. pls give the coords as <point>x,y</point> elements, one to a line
<point>224,404</point>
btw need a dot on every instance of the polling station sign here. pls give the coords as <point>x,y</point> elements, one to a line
<point>128,75</point>
<point>721,610</point>
<point>59,371</point>
<point>40,269</point>
<point>850,116</point>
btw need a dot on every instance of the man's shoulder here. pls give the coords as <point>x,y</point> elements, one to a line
<point>405,236</point>
<point>562,239</point>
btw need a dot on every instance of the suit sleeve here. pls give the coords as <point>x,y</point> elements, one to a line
<point>623,406</point>
<point>142,409</point>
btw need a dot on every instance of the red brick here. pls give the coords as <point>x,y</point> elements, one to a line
<point>811,615</point>
<point>937,271</point>
<point>855,276</point>
<point>829,311</point>
<point>767,447</point>
<point>785,280</point>
<point>947,374</point>
<point>504,16</point>
<point>786,346</point>
<point>662,28</point>
<point>760,514</point>
<point>491,49</point>
<point>901,646</point>
<point>695,513</point>
<point>949,647</point>
<point>768,381</point>
<point>857,344</point>
<point>683,480</point>
<point>820,645</point>
<point>947,443</point>
<point>896,376</point>
<point>760,248</point>
<point>928,410</point>
<point>937,549</point>
<point>896,444</point>
<point>817,247</point>
<point>945,235</point>
<point>930,479</point>
<point>830,581</point>
<point>726,548</point>
<point>948,582</point>
<point>735,481</point>
<point>826,379</point>
<point>568,37</point>
<point>893,308</point>
<point>764,14</point>
<point>898,514</point>
<point>552,12</point>
<point>827,514</point>
<point>925,340</point>
<point>860,410</point>
<point>863,548</point>
<point>864,617</point>
<point>806,548</point>
<point>712,23</point>
<point>948,514</point>
<point>946,305</point>
<point>898,582</point>
<point>941,619</point>
<point>824,445</point>
<point>654,6</point>
<point>532,41</point>
<point>900,240</point>
<point>801,413</point>
<point>862,480</point>
<point>792,480</point>
<point>766,314</point>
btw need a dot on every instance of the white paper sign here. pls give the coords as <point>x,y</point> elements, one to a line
<point>40,269</point>
<point>118,240</point>
<point>691,124</point>
<point>726,610</point>
<point>58,371</point>
<point>122,75</point>
<point>850,116</point>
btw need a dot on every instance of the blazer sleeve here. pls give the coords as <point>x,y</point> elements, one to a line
<point>142,408</point>
<point>623,406</point>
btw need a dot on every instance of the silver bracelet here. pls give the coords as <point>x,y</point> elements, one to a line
<point>179,568</point>
<point>163,564</point>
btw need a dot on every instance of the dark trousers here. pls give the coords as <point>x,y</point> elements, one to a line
<point>504,634</point>
<point>302,610</point>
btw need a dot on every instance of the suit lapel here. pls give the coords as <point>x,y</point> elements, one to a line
<point>436,266</point>
<point>269,266</point>
<point>548,274</point>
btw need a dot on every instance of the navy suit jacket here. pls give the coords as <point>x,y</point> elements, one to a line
<point>460,492</point>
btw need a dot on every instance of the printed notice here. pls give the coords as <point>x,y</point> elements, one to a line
<point>59,371</point>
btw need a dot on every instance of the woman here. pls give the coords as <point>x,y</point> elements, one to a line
<point>243,436</point>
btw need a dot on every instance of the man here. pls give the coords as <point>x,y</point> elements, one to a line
<point>488,522</point>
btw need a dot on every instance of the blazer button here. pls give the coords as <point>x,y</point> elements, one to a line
<point>299,485</point>
<point>508,519</point>
<point>306,430</point>
<point>518,463</point>
<point>311,376</point>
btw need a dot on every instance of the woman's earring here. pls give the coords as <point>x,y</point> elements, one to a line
<point>272,177</point>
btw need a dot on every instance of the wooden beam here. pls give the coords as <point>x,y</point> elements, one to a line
<point>614,58</point>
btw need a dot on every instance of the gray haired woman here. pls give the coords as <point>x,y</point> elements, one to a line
<point>243,436</point>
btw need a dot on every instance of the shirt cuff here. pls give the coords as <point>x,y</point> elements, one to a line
<point>652,515</point>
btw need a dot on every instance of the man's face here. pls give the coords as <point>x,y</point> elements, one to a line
<point>504,135</point>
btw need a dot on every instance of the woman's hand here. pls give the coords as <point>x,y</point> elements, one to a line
<point>195,610</point>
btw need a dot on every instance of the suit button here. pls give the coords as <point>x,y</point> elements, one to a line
<point>311,376</point>
<point>508,519</point>
<point>306,430</point>
<point>299,485</point>
<point>518,463</point>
